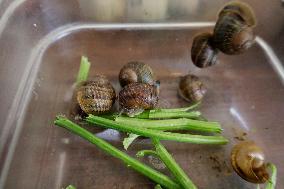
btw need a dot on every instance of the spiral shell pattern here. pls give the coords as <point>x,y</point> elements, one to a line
<point>137,97</point>
<point>96,96</point>
<point>136,72</point>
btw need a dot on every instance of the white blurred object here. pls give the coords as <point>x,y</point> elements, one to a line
<point>103,10</point>
<point>183,7</point>
<point>147,10</point>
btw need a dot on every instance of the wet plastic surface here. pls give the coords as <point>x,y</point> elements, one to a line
<point>39,68</point>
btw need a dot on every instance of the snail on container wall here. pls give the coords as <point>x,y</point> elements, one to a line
<point>203,54</point>
<point>242,10</point>
<point>232,35</point>
<point>96,96</point>
<point>233,32</point>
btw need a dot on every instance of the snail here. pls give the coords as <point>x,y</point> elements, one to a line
<point>203,54</point>
<point>136,72</point>
<point>96,96</point>
<point>191,88</point>
<point>241,9</point>
<point>232,35</point>
<point>248,161</point>
<point>137,97</point>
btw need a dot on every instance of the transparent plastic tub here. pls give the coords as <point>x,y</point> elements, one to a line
<point>41,45</point>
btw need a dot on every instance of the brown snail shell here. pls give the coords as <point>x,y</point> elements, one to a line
<point>248,161</point>
<point>232,35</point>
<point>191,88</point>
<point>137,97</point>
<point>241,9</point>
<point>203,54</point>
<point>136,72</point>
<point>96,96</point>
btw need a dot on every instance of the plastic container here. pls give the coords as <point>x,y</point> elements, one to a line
<point>41,43</point>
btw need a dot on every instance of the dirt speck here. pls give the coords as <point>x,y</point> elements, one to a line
<point>219,165</point>
<point>241,136</point>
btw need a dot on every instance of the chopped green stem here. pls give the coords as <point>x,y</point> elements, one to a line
<point>196,139</point>
<point>272,180</point>
<point>128,140</point>
<point>202,118</point>
<point>152,114</point>
<point>171,124</point>
<point>143,153</point>
<point>185,109</point>
<point>108,148</point>
<point>158,187</point>
<point>172,165</point>
<point>83,70</point>
<point>70,187</point>
<point>159,114</point>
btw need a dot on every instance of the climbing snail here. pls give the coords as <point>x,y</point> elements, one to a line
<point>241,9</point>
<point>203,54</point>
<point>232,35</point>
<point>233,32</point>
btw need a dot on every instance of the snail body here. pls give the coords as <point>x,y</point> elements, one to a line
<point>191,88</point>
<point>232,35</point>
<point>96,96</point>
<point>203,54</point>
<point>137,97</point>
<point>241,9</point>
<point>248,161</point>
<point>136,72</point>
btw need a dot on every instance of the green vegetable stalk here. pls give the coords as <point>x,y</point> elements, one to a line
<point>185,109</point>
<point>171,164</point>
<point>143,153</point>
<point>129,140</point>
<point>165,114</point>
<point>83,70</point>
<point>70,187</point>
<point>169,113</point>
<point>272,180</point>
<point>196,139</point>
<point>158,187</point>
<point>171,124</point>
<point>147,171</point>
